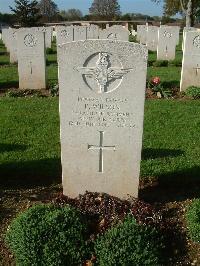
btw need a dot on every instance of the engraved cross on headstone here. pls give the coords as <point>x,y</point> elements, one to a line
<point>166,51</point>
<point>197,68</point>
<point>101,148</point>
<point>31,68</point>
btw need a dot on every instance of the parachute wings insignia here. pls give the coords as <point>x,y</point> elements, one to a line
<point>102,73</point>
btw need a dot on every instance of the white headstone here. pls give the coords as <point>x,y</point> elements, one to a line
<point>31,59</point>
<point>48,35</point>
<point>152,38</point>
<point>64,34</point>
<point>142,33</point>
<point>176,30</point>
<point>92,32</point>
<point>102,91</point>
<point>115,32</point>
<point>185,30</point>
<point>12,44</point>
<point>167,40</point>
<point>5,34</point>
<point>80,33</point>
<point>190,75</point>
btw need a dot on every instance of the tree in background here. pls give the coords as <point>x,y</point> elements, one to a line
<point>26,12</point>
<point>105,9</point>
<point>9,19</point>
<point>188,8</point>
<point>71,14</point>
<point>48,10</point>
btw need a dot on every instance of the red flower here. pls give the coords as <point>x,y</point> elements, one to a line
<point>155,80</point>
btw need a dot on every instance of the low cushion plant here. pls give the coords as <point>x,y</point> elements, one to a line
<point>193,92</point>
<point>129,244</point>
<point>193,220</point>
<point>47,235</point>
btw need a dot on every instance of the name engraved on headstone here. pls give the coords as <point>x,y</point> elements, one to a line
<point>92,112</point>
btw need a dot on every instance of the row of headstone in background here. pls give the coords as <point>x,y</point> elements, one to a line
<point>190,74</point>
<point>162,39</point>
<point>101,93</point>
<point>77,33</point>
<point>9,37</point>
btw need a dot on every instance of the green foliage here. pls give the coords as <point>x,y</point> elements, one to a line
<point>175,62</point>
<point>108,9</point>
<point>129,244</point>
<point>26,12</point>
<point>54,90</point>
<point>160,63</point>
<point>132,38</point>
<point>193,92</point>
<point>50,51</point>
<point>23,93</point>
<point>160,89</point>
<point>193,220</point>
<point>47,235</point>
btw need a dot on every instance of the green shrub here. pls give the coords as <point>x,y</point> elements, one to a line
<point>160,63</point>
<point>23,93</point>
<point>193,92</point>
<point>50,51</point>
<point>193,220</point>
<point>47,235</point>
<point>175,62</point>
<point>54,90</point>
<point>128,244</point>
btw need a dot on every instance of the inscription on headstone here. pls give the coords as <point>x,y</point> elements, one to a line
<point>102,91</point>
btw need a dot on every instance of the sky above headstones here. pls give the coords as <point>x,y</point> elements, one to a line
<point>127,6</point>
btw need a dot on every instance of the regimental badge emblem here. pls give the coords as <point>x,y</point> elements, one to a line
<point>107,74</point>
<point>64,33</point>
<point>30,40</point>
<point>167,34</point>
<point>196,41</point>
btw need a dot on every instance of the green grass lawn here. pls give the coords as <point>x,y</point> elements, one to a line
<point>30,149</point>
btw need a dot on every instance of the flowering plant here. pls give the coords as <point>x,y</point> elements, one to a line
<point>155,81</point>
<point>157,87</point>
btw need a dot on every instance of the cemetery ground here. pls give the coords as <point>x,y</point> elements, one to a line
<point>30,154</point>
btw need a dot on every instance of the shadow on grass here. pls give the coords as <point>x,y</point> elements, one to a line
<point>30,174</point>
<point>9,84</point>
<point>11,147</point>
<point>5,63</point>
<point>150,153</point>
<point>171,84</point>
<point>51,62</point>
<point>174,186</point>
